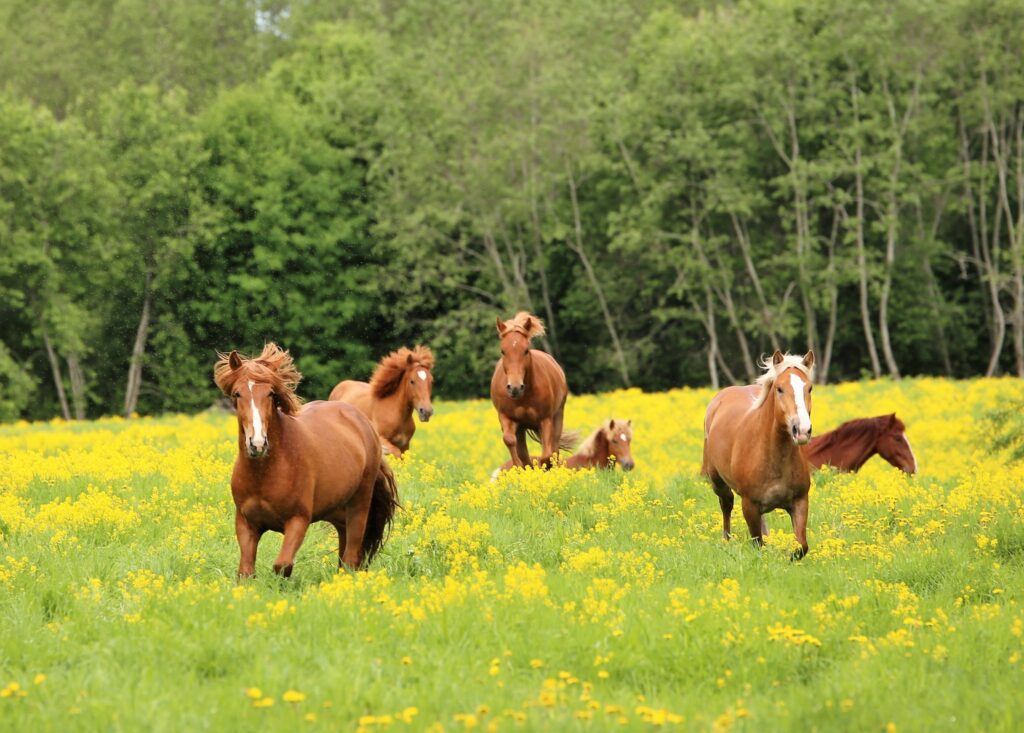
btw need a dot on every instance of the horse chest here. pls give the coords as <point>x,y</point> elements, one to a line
<point>524,414</point>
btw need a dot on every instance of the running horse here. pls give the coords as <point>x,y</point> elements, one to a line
<point>528,390</point>
<point>296,464</point>
<point>400,384</point>
<point>607,446</point>
<point>753,446</point>
<point>853,443</point>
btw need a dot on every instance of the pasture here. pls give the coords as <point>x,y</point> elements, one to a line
<point>548,600</point>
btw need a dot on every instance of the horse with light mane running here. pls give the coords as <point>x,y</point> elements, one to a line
<point>528,389</point>
<point>300,463</point>
<point>753,446</point>
<point>401,383</point>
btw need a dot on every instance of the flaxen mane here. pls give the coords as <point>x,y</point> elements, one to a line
<point>274,366</point>
<point>772,371</point>
<point>589,446</point>
<point>387,377</point>
<point>527,324</point>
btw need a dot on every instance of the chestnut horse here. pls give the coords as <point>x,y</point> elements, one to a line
<point>401,383</point>
<point>753,438</point>
<point>528,390</point>
<point>299,464</point>
<point>612,440</point>
<point>853,443</point>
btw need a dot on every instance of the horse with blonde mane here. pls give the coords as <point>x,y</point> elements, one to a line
<point>606,447</point>
<point>401,383</point>
<point>753,446</point>
<point>853,443</point>
<point>296,464</point>
<point>528,389</point>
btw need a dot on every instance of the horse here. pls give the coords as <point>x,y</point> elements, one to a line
<point>401,383</point>
<point>753,446</point>
<point>853,443</point>
<point>613,439</point>
<point>296,464</point>
<point>528,389</point>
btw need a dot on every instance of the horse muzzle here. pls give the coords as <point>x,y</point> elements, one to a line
<point>628,465</point>
<point>425,413</point>
<point>257,451</point>
<point>515,392</point>
<point>800,437</point>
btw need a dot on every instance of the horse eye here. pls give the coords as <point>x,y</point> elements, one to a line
<point>779,389</point>
<point>237,395</point>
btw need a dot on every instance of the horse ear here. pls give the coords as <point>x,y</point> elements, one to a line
<point>809,359</point>
<point>611,424</point>
<point>501,327</point>
<point>892,418</point>
<point>629,422</point>
<point>529,326</point>
<point>777,358</point>
<point>234,360</point>
<point>409,360</point>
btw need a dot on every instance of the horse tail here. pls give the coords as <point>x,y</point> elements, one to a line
<point>567,441</point>
<point>383,503</point>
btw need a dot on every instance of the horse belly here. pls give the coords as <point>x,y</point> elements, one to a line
<point>262,514</point>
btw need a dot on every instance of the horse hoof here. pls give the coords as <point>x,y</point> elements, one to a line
<point>283,570</point>
<point>798,554</point>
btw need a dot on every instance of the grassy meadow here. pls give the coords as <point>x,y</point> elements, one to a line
<point>559,601</point>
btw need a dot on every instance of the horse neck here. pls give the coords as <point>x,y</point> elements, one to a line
<point>397,405</point>
<point>599,457</point>
<point>861,448</point>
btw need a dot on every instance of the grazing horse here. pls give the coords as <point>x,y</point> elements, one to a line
<point>853,443</point>
<point>613,439</point>
<point>400,383</point>
<point>528,390</point>
<point>299,463</point>
<point>753,438</point>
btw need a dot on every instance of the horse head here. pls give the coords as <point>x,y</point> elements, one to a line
<point>619,434</point>
<point>894,446</point>
<point>258,388</point>
<point>515,335</point>
<point>792,383</point>
<point>419,362</point>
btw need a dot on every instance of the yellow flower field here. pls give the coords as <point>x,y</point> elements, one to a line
<point>545,600</point>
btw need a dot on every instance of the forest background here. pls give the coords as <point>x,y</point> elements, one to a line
<point>674,187</point>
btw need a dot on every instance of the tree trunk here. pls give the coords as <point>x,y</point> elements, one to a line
<point>58,380</point>
<point>744,240</point>
<point>833,302</point>
<point>592,277</point>
<point>131,394</point>
<point>77,386</point>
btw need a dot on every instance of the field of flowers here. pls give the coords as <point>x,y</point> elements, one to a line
<point>550,600</point>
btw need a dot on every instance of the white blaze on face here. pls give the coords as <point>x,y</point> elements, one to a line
<point>803,417</point>
<point>912,456</point>
<point>622,437</point>
<point>259,436</point>
<point>422,374</point>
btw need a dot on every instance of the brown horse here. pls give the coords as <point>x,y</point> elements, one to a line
<point>299,464</point>
<point>401,383</point>
<point>753,438</point>
<point>528,390</point>
<point>613,439</point>
<point>853,443</point>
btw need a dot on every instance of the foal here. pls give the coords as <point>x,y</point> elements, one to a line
<point>401,383</point>
<point>528,390</point>
<point>753,438</point>
<point>612,440</point>
<point>299,464</point>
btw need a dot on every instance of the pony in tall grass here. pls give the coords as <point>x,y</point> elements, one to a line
<point>853,443</point>
<point>753,446</point>
<point>606,447</point>
<point>528,389</point>
<point>296,464</point>
<point>400,384</point>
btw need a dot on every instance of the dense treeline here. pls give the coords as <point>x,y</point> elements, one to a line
<point>675,187</point>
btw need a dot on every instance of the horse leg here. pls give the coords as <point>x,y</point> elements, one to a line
<point>764,525</point>
<point>725,501</point>
<point>798,514</point>
<point>294,532</point>
<point>356,515</point>
<point>752,513</point>
<point>548,442</point>
<point>389,449</point>
<point>522,447</point>
<point>508,435</point>
<point>248,540</point>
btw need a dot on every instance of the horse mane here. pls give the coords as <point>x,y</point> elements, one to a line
<point>387,377</point>
<point>588,448</point>
<point>527,324</point>
<point>273,366</point>
<point>772,372</point>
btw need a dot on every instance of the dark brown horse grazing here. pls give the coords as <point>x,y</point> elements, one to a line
<point>400,383</point>
<point>299,464</point>
<point>753,438</point>
<point>528,390</point>
<point>853,443</point>
<point>612,440</point>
